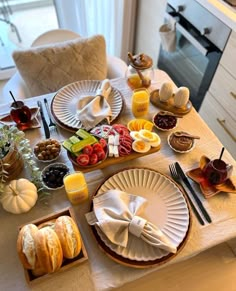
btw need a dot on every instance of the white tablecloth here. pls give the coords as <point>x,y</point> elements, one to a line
<point>100,272</point>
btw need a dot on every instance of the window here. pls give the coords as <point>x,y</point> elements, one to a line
<point>21,21</point>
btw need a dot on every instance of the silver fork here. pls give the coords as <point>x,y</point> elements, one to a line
<point>52,125</point>
<point>177,179</point>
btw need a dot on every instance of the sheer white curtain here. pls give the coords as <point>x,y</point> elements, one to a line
<point>115,19</point>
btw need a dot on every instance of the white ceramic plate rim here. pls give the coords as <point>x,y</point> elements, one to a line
<point>63,103</point>
<point>172,216</point>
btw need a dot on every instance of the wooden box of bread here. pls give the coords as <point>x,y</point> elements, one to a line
<point>50,244</point>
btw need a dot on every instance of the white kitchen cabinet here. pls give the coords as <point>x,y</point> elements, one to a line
<point>228,59</point>
<point>150,16</point>
<point>219,106</point>
<point>220,122</point>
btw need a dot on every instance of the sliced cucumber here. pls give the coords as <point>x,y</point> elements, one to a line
<point>83,133</point>
<point>81,144</point>
<point>74,139</point>
<point>67,145</point>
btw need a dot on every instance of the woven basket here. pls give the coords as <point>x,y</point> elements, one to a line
<point>15,161</point>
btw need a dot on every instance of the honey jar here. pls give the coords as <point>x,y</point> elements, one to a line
<point>140,71</point>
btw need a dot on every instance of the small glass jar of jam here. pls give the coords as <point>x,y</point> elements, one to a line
<point>140,71</point>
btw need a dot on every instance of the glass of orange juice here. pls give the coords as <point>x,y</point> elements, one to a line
<point>76,187</point>
<point>140,102</point>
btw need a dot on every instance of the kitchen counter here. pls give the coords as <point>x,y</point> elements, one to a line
<point>224,11</point>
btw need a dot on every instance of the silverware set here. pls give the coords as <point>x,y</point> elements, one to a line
<point>48,128</point>
<point>52,125</point>
<point>179,176</point>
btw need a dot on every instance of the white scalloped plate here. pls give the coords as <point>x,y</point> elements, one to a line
<point>64,103</point>
<point>167,208</point>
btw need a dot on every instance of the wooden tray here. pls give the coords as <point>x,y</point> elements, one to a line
<point>140,264</point>
<point>169,105</point>
<point>111,161</point>
<point>67,263</point>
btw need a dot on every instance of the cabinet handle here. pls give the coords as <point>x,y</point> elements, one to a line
<point>222,123</point>
<point>233,94</point>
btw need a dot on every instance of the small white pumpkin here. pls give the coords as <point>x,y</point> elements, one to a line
<point>19,196</point>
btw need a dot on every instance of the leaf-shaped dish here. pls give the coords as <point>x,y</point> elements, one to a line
<point>34,122</point>
<point>207,189</point>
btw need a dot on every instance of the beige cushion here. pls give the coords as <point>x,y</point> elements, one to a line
<point>48,68</point>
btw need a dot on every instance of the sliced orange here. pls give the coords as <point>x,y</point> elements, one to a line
<point>148,125</point>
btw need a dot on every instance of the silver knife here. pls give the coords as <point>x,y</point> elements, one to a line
<point>45,125</point>
<point>186,182</point>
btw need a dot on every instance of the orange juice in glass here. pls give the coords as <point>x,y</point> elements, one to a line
<point>140,102</point>
<point>76,187</point>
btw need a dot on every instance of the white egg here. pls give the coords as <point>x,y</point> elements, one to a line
<point>141,146</point>
<point>135,135</point>
<point>157,140</point>
<point>147,135</point>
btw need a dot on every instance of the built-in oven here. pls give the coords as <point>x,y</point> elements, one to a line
<point>200,41</point>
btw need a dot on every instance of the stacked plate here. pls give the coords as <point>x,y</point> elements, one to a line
<point>64,103</point>
<point>166,208</point>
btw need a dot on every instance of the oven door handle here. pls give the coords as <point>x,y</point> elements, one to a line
<point>191,39</point>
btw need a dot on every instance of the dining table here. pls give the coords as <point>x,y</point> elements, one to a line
<point>101,272</point>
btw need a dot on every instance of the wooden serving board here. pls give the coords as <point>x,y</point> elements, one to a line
<point>67,263</point>
<point>169,105</point>
<point>112,161</point>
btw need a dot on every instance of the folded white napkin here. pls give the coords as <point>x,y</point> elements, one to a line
<point>93,109</point>
<point>116,213</point>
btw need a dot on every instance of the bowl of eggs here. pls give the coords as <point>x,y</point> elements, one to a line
<point>47,150</point>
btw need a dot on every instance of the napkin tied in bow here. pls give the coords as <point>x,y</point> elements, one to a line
<point>118,213</point>
<point>91,110</point>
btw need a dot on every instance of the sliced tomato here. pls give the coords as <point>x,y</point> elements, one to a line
<point>93,159</point>
<point>96,147</point>
<point>88,150</point>
<point>101,154</point>
<point>103,142</point>
<point>83,159</point>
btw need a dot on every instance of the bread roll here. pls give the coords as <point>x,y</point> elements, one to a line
<point>166,91</point>
<point>38,270</point>
<point>69,236</point>
<point>26,245</point>
<point>49,223</point>
<point>48,249</point>
<point>181,97</point>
